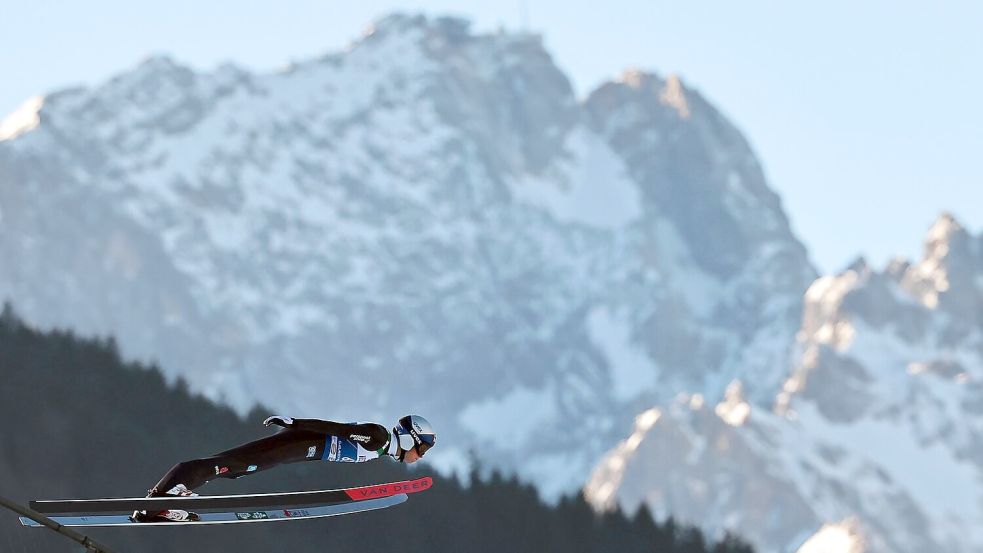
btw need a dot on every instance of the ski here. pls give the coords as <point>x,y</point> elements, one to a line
<point>234,516</point>
<point>233,502</point>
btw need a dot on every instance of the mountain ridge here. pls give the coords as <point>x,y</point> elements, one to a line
<point>424,202</point>
<point>883,390</point>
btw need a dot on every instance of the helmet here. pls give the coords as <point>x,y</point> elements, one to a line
<point>415,432</point>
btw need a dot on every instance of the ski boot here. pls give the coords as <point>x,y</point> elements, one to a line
<point>167,515</point>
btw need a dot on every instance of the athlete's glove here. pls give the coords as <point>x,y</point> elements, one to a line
<point>285,422</point>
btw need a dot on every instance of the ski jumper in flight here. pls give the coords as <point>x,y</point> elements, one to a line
<point>300,440</point>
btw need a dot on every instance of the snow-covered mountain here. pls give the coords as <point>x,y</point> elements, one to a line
<point>876,440</point>
<point>428,221</point>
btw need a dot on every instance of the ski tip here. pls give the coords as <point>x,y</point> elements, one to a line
<point>390,489</point>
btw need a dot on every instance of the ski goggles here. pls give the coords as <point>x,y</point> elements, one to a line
<point>412,440</point>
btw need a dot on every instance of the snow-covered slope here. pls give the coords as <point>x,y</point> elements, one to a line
<point>429,221</point>
<point>880,423</point>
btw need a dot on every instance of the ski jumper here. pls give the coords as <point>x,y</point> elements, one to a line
<point>304,440</point>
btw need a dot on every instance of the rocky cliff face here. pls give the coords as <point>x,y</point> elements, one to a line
<point>878,428</point>
<point>429,221</point>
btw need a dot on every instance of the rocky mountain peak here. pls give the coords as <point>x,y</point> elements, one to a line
<point>948,245</point>
<point>402,22</point>
<point>158,65</point>
<point>897,267</point>
<point>944,228</point>
<point>949,274</point>
<point>23,119</point>
<point>668,129</point>
<point>670,91</point>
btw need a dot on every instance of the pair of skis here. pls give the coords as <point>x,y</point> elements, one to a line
<point>229,509</point>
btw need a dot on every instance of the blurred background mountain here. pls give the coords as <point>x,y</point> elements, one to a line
<point>600,290</point>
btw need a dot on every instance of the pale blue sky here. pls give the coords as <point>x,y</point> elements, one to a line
<point>866,115</point>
